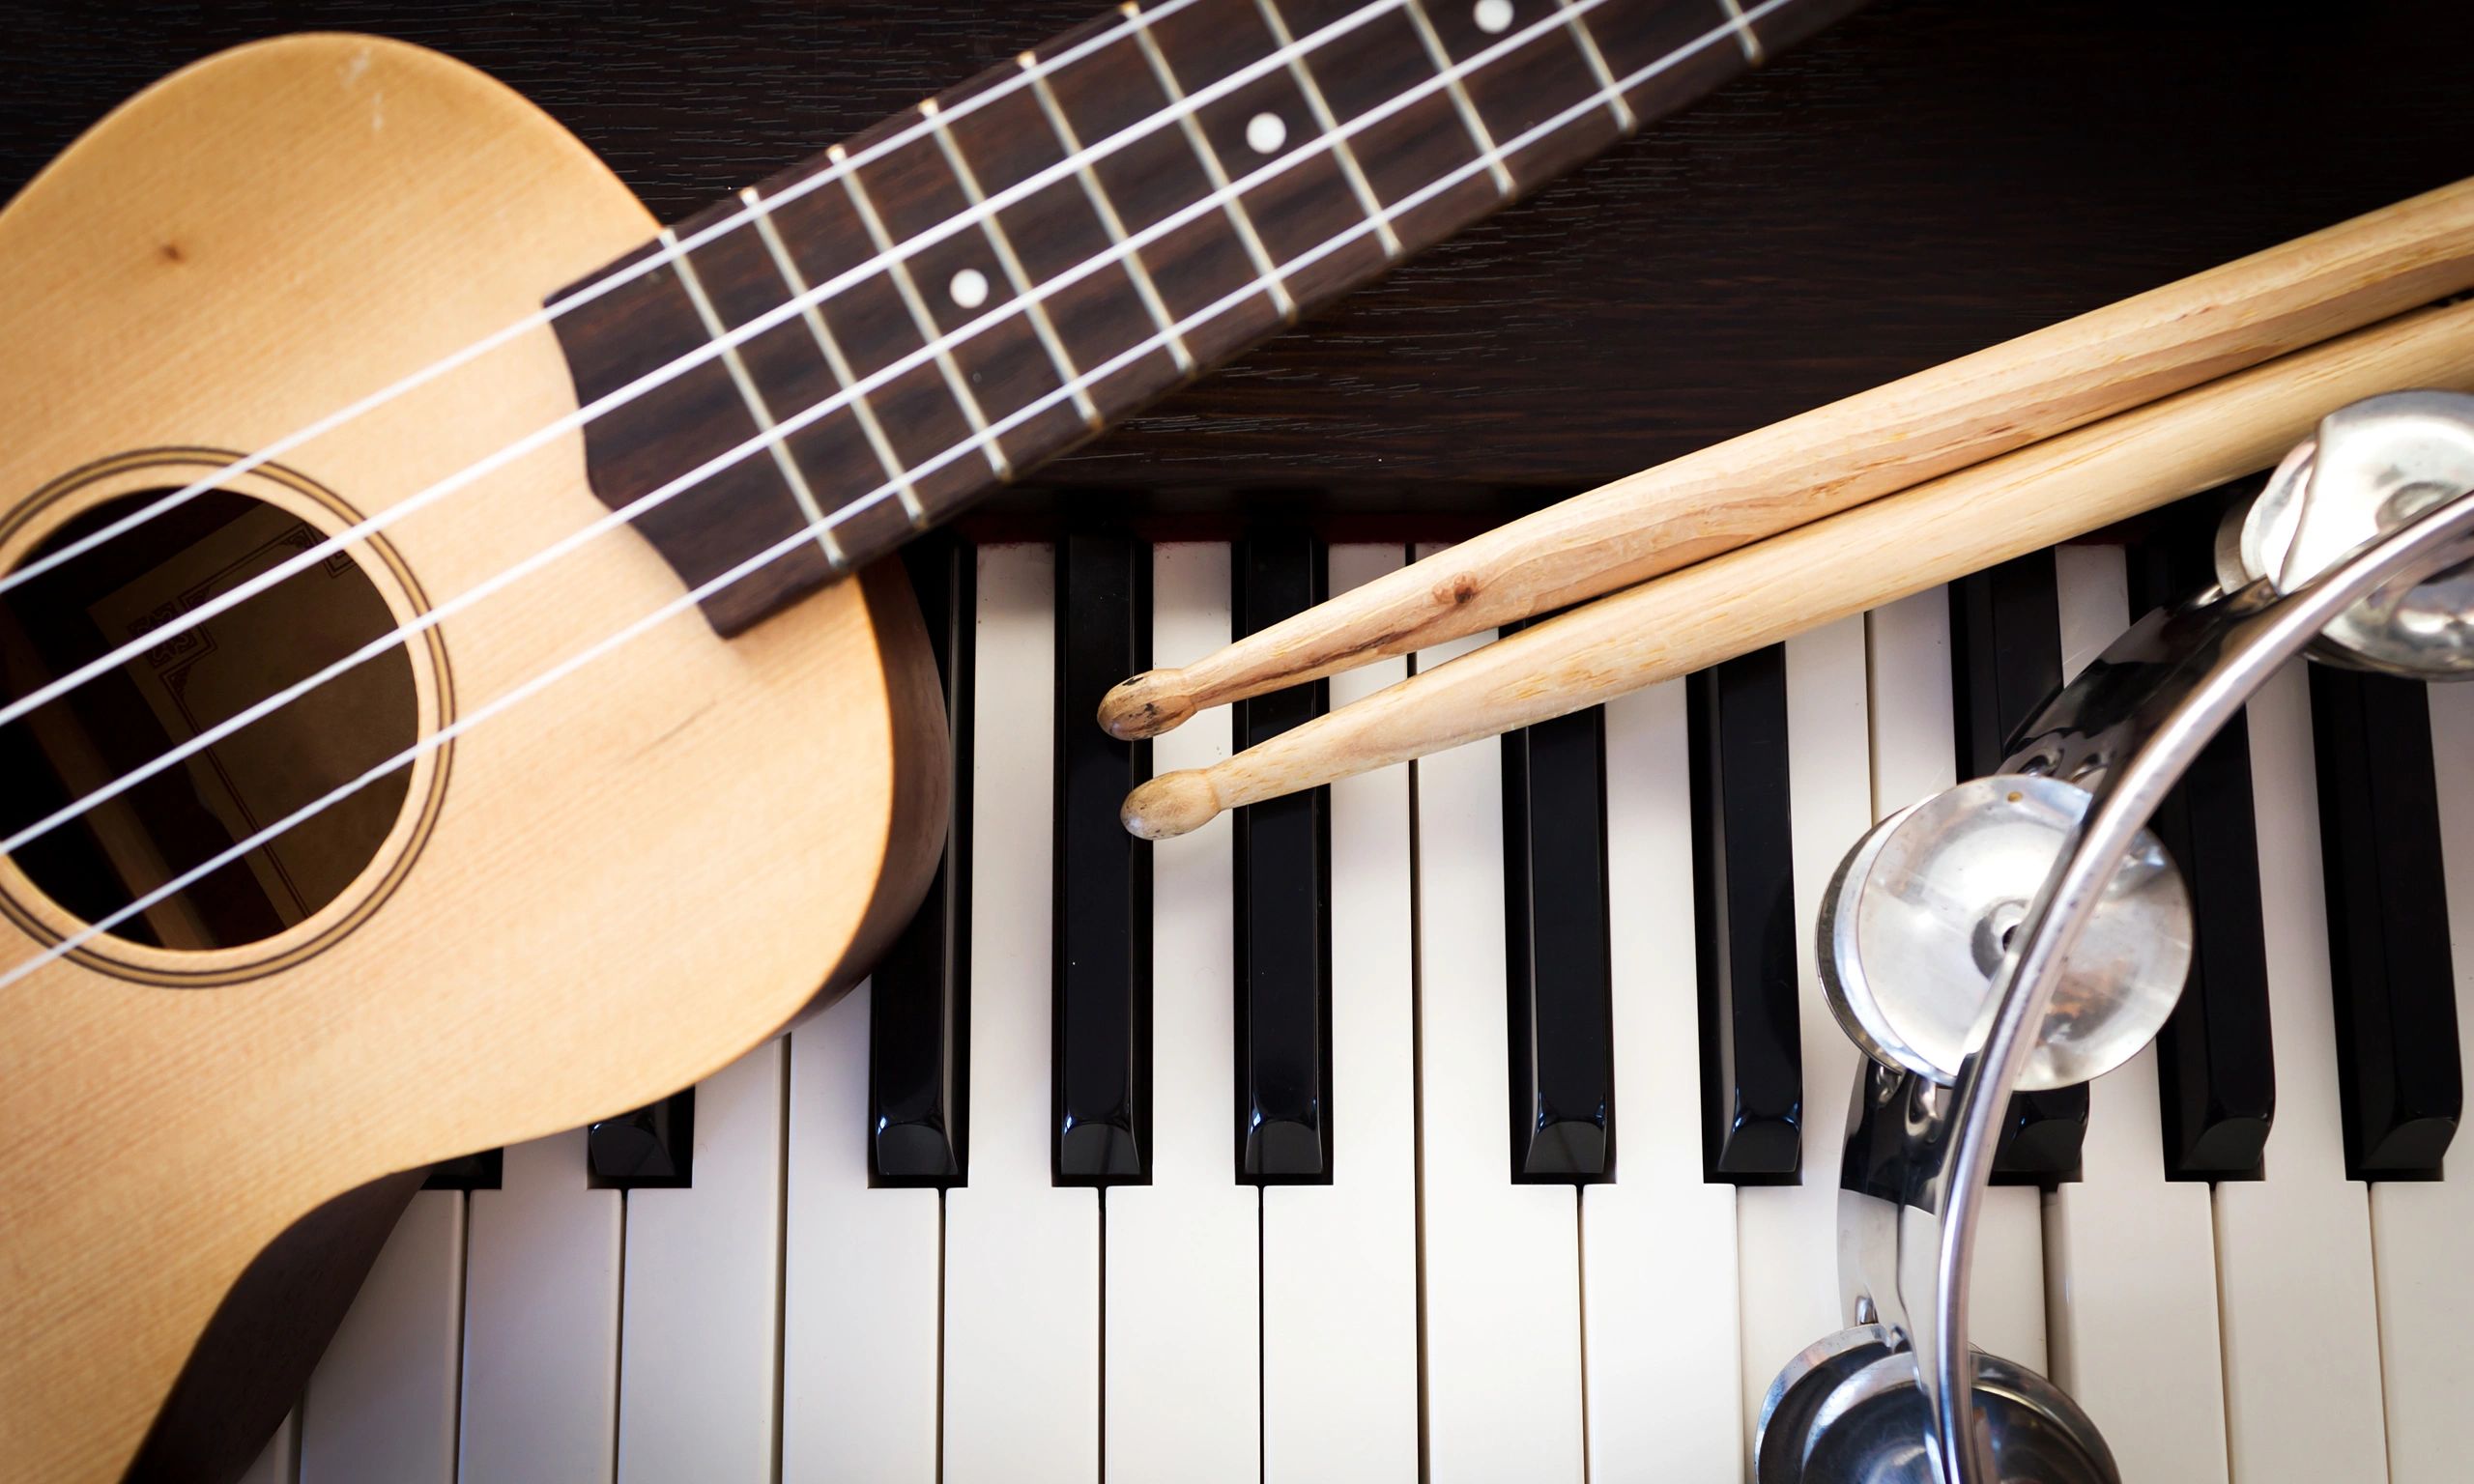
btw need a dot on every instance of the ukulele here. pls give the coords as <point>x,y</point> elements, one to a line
<point>449,685</point>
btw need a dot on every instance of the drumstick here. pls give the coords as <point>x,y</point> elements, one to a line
<point>1838,457</point>
<point>1760,594</point>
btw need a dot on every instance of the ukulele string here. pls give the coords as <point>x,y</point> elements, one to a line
<point>1037,68</point>
<point>612,519</point>
<point>543,436</point>
<point>796,540</point>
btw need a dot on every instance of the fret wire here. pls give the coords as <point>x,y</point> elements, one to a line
<point>1587,39</point>
<point>1036,72</point>
<point>1337,240</point>
<point>1173,331</point>
<point>1238,217</point>
<point>1136,269</point>
<point>1479,135</point>
<point>1341,149</point>
<point>909,288</point>
<point>788,466</point>
<point>687,600</point>
<point>837,363</point>
<point>1001,242</point>
<point>1744,37</point>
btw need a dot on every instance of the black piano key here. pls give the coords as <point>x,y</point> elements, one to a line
<point>2402,1089</point>
<point>2005,655</point>
<point>1743,907</point>
<point>2215,1066</point>
<point>2005,658</point>
<point>1283,907</point>
<point>1102,969</point>
<point>2042,1134</point>
<point>650,1149</point>
<point>467,1172</point>
<point>919,997</point>
<point>1559,988</point>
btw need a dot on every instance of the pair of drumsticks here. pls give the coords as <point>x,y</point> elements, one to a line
<point>1885,494</point>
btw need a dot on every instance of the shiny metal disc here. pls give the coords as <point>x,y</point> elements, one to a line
<point>1923,910</point>
<point>1798,1391</point>
<point>1875,1427</point>
<point>2375,466</point>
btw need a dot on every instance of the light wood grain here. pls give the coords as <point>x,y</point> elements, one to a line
<point>632,878</point>
<point>1759,594</point>
<point>1840,456</point>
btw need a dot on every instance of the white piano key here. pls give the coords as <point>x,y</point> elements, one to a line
<point>1659,1242</point>
<point>1184,1324</point>
<point>381,1405</point>
<point>540,1398</point>
<point>2130,1257</point>
<point>2091,586</point>
<point>1915,757</point>
<point>2130,1295</point>
<point>1915,732</point>
<point>2302,1393</point>
<point>696,1380</point>
<point>1787,1236</point>
<point>1022,1255</point>
<point>1339,1261</point>
<point>1502,1260</point>
<point>278,1462</point>
<point>2418,1228</point>
<point>859,1278</point>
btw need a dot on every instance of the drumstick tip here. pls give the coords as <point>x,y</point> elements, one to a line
<point>1146,705</point>
<point>1170,805</point>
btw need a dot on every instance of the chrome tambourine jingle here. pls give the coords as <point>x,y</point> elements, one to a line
<point>1796,1395</point>
<point>1852,1409</point>
<point>2374,466</point>
<point>1877,1427</point>
<point>1917,923</point>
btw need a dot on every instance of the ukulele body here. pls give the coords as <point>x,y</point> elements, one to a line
<point>592,897</point>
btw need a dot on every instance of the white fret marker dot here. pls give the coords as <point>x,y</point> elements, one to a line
<point>969,288</point>
<point>1265,132</point>
<point>1494,17</point>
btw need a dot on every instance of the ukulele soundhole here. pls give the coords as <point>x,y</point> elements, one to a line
<point>241,809</point>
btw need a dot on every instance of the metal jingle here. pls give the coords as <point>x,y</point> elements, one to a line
<point>1876,1426</point>
<point>2375,466</point>
<point>1802,1384</point>
<point>1920,915</point>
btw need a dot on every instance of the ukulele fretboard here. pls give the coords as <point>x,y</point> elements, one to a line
<point>856,349</point>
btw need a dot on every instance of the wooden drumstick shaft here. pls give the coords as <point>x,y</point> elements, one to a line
<point>1840,456</point>
<point>1761,593</point>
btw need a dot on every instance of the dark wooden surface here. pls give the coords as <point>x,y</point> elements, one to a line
<point>1927,177</point>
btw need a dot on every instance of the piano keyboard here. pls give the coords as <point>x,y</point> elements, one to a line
<point>1478,1120</point>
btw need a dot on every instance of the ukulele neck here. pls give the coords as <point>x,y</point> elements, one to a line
<point>795,382</point>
